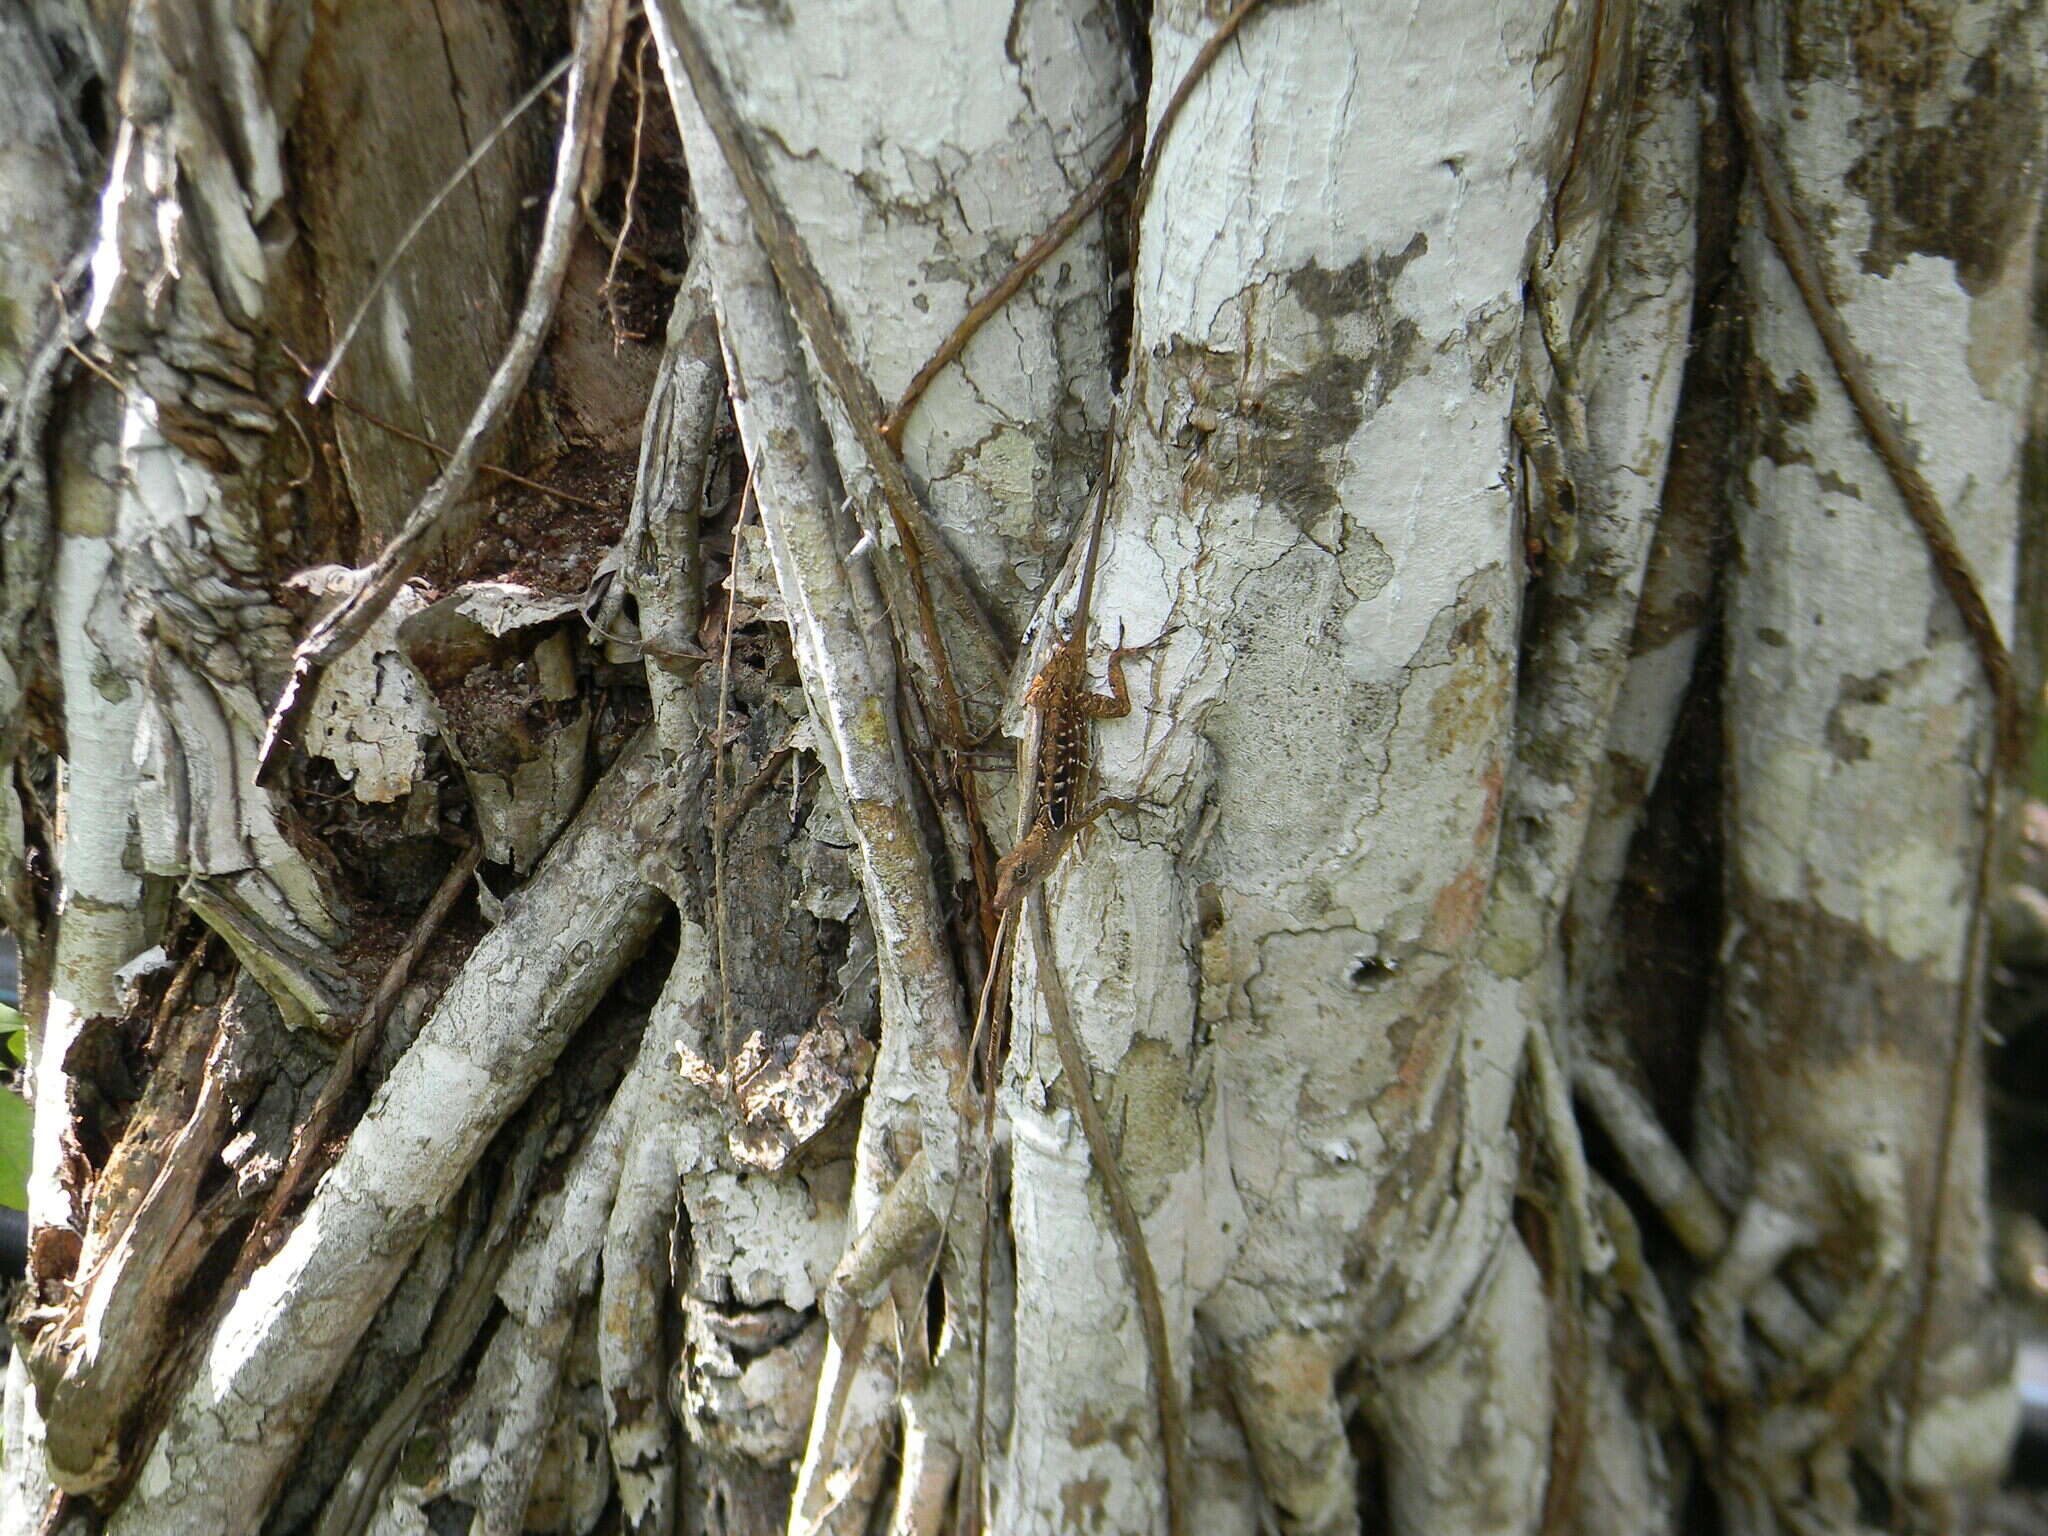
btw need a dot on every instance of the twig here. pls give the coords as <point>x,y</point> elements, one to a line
<point>1198,66</point>
<point>1123,1214</point>
<point>94,368</point>
<point>1638,1284</point>
<point>755,787</point>
<point>1963,1074</point>
<point>342,1074</point>
<point>28,412</point>
<point>594,62</point>
<point>484,467</point>
<point>465,1305</point>
<point>362,1042</point>
<point>496,471</point>
<point>1062,229</point>
<point>609,239</point>
<point>302,480</point>
<point>986,1042</point>
<point>462,172</point>
<point>181,983</point>
<point>720,825</point>
<point>1090,198</point>
<point>1809,274</point>
<point>1594,31</point>
<point>805,292</point>
<point>1804,262</point>
<point>632,186</point>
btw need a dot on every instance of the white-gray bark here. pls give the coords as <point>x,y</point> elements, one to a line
<point>1466,394</point>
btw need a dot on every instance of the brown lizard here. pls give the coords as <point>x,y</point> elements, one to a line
<point>1057,810</point>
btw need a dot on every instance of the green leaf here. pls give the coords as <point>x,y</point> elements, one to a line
<point>14,1117</point>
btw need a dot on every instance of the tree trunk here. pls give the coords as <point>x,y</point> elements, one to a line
<point>513,581</point>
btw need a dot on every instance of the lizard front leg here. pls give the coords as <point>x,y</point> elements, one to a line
<point>1115,704</point>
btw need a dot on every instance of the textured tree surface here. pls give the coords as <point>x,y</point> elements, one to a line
<point>531,543</point>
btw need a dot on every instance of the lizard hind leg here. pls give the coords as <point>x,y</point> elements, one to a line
<point>1117,702</point>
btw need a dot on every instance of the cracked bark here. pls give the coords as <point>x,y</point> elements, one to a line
<point>1489,492</point>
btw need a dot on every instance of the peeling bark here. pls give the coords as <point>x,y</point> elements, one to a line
<point>550,1097</point>
<point>493,1033</point>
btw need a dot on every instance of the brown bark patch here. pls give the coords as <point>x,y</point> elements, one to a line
<point>1081,1500</point>
<point>1419,1041</point>
<point>1091,1428</point>
<point>1324,349</point>
<point>1811,989</point>
<point>1957,185</point>
<point>1468,707</point>
<point>1494,784</point>
<point>1844,740</point>
<point>1778,410</point>
<point>1950,132</point>
<point>1455,912</point>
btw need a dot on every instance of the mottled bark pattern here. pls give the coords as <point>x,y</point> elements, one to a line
<point>1858,779</point>
<point>548,1100</point>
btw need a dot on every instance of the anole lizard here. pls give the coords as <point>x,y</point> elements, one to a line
<point>1056,810</point>
<point>1056,813</point>
<point>1065,707</point>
